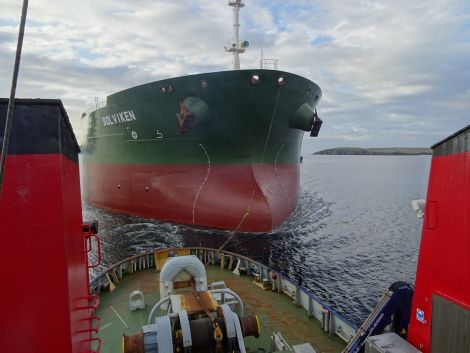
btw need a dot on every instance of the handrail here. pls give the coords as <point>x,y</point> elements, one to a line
<point>281,275</point>
<point>89,234</point>
<point>235,295</point>
<point>93,339</point>
<point>96,106</point>
<point>92,329</point>
<point>98,250</point>
<point>93,303</point>
<point>156,307</point>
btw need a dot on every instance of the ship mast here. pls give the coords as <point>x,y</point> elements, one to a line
<point>235,46</point>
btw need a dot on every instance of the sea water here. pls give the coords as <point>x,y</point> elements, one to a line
<point>352,235</point>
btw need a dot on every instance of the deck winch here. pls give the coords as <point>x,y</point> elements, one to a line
<point>197,319</point>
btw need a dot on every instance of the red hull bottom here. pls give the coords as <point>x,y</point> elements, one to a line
<point>251,198</point>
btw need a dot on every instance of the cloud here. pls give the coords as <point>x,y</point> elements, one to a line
<point>392,73</point>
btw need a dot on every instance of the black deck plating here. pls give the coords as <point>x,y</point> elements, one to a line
<point>40,126</point>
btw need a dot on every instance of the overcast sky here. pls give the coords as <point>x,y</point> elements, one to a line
<point>393,73</point>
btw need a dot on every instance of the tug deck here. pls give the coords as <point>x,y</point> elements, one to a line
<point>276,312</point>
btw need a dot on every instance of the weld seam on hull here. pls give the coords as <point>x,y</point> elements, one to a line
<point>279,177</point>
<point>270,125</point>
<point>203,182</point>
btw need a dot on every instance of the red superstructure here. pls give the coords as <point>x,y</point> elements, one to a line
<point>440,315</point>
<point>44,272</point>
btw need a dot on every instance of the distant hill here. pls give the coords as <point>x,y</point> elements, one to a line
<point>387,151</point>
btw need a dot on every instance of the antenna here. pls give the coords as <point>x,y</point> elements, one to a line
<point>11,101</point>
<point>235,46</point>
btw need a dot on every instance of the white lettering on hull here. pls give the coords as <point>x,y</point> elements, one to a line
<point>119,118</point>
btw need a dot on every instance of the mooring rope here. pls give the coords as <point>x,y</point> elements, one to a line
<point>234,232</point>
<point>247,211</point>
